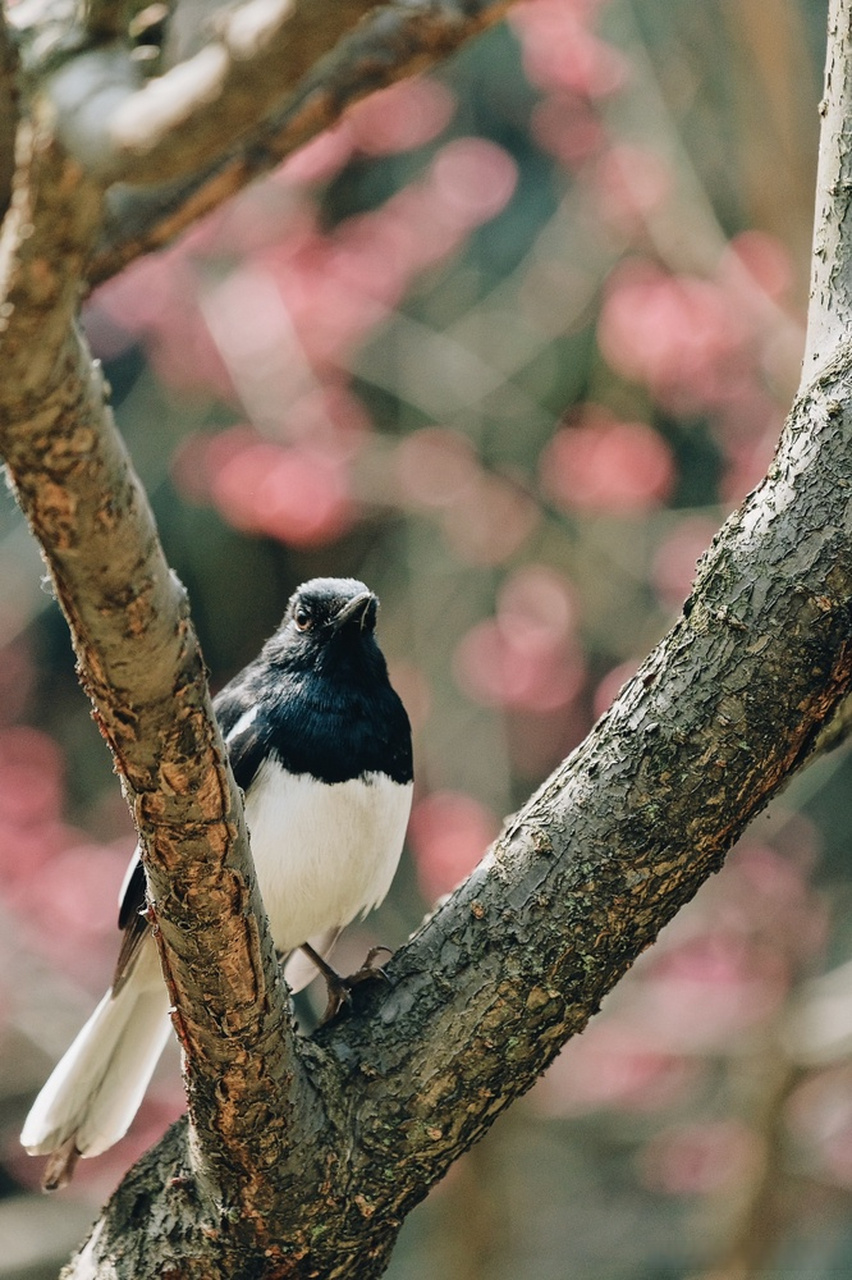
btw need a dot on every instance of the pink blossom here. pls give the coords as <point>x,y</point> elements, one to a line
<point>763,258</point>
<point>472,179</point>
<point>682,336</point>
<point>449,832</point>
<point>539,601</point>
<point>612,1066</point>
<point>77,897</point>
<point>370,256</point>
<point>406,115</point>
<point>560,52</point>
<point>184,354</point>
<point>527,656</point>
<point>501,664</point>
<point>565,125</point>
<point>297,495</point>
<point>697,995</point>
<point>604,464</point>
<point>31,777</point>
<point>435,467</point>
<point>428,230</point>
<point>493,525</point>
<point>23,849</point>
<point>140,297</point>
<point>321,158</point>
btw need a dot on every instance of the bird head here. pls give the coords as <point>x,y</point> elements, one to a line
<point>327,619</point>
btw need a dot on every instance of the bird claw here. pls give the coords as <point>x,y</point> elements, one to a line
<point>340,989</point>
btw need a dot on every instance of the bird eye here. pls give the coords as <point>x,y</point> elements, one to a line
<point>302,619</point>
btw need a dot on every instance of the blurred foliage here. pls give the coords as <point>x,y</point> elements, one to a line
<point>508,344</point>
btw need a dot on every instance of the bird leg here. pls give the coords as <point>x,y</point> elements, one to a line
<point>339,989</point>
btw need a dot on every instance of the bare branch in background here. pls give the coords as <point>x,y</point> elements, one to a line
<point>392,43</point>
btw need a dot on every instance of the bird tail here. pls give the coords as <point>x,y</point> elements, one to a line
<point>96,1089</point>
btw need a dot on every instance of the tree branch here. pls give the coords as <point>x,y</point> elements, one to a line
<point>395,41</point>
<point>139,661</point>
<point>201,108</point>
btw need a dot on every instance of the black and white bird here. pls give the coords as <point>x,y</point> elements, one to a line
<point>320,744</point>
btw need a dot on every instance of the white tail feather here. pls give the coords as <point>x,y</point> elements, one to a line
<point>97,1087</point>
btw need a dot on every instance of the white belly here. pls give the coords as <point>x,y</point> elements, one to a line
<point>324,853</point>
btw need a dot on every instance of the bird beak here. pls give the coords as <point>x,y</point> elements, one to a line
<point>360,604</point>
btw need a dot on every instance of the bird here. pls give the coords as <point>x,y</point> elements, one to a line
<point>320,744</point>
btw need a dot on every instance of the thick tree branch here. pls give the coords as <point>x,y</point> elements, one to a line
<point>139,661</point>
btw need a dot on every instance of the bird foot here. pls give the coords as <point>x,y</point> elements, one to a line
<point>340,989</point>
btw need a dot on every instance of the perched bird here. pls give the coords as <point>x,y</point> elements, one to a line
<point>320,744</point>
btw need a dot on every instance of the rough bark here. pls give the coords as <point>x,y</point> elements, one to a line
<point>137,655</point>
<point>304,1155</point>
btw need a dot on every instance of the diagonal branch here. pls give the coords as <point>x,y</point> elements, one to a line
<point>718,718</point>
<point>194,112</point>
<point>395,41</point>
